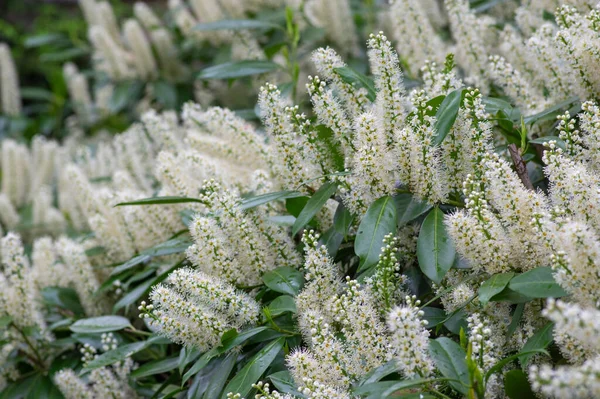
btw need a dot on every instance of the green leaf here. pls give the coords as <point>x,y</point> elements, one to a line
<point>550,113</point>
<point>494,285</point>
<point>540,340</point>
<point>500,364</point>
<point>517,386</point>
<point>43,39</point>
<point>117,355</point>
<point>537,283</point>
<point>433,316</point>
<point>314,205</point>
<point>284,383</point>
<point>5,321</point>
<point>232,340</point>
<point>254,369</point>
<point>236,24</point>
<point>379,373</point>
<point>342,220</point>
<point>100,324</point>
<point>435,249</point>
<point>282,304</point>
<point>161,201</point>
<point>64,55</point>
<point>64,298</point>
<point>253,202</point>
<point>238,69</point>
<point>352,77</point>
<point>510,296</point>
<point>42,387</point>
<point>165,93</point>
<point>542,140</point>
<point>219,376</point>
<point>36,93</point>
<point>156,367</point>
<point>142,289</point>
<point>379,221</point>
<point>409,208</point>
<point>446,115</point>
<point>199,365</point>
<point>285,280</point>
<point>449,358</point>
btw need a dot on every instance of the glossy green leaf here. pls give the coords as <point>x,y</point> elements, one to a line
<point>435,249</point>
<point>342,220</point>
<point>314,205</point>
<point>543,140</point>
<point>156,367</point>
<point>537,283</point>
<point>62,297</point>
<point>282,304</point>
<point>449,358</point>
<point>494,285</point>
<point>500,364</point>
<point>285,280</point>
<point>353,77</point>
<point>540,340</point>
<point>230,341</point>
<point>258,200</point>
<point>254,369</point>
<point>236,24</point>
<point>433,316</point>
<point>100,324</point>
<point>550,113</point>
<point>446,115</point>
<point>409,208</point>
<point>517,386</point>
<point>161,201</point>
<point>379,221</point>
<point>117,355</point>
<point>238,69</point>
<point>284,382</point>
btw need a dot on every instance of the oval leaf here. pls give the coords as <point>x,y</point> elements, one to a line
<point>494,285</point>
<point>314,205</point>
<point>537,283</point>
<point>100,324</point>
<point>254,369</point>
<point>239,69</point>
<point>379,221</point>
<point>285,280</point>
<point>540,340</point>
<point>446,115</point>
<point>282,304</point>
<point>409,208</point>
<point>449,358</point>
<point>435,249</point>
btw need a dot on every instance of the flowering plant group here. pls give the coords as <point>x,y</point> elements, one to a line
<point>417,218</point>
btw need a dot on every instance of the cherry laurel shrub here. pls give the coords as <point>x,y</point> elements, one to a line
<point>421,221</point>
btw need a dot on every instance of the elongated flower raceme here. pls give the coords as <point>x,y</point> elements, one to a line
<point>409,339</point>
<point>10,95</point>
<point>195,309</point>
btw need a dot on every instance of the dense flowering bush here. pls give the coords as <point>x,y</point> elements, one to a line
<point>421,221</point>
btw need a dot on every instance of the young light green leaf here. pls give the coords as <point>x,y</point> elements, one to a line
<point>352,77</point>
<point>100,324</point>
<point>449,358</point>
<point>446,115</point>
<point>537,283</point>
<point>285,280</point>
<point>314,205</point>
<point>238,69</point>
<point>494,285</point>
<point>435,249</point>
<point>540,340</point>
<point>379,221</point>
<point>254,369</point>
